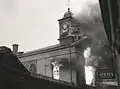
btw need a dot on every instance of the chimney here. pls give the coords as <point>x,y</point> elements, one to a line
<point>15,48</point>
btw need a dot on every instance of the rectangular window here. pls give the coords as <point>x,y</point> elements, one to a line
<point>79,37</point>
<point>56,70</point>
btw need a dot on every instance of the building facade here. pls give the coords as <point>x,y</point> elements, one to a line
<point>64,61</point>
<point>14,75</point>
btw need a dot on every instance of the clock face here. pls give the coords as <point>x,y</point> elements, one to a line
<point>65,27</point>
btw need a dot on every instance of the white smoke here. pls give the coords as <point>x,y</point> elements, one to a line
<point>87,52</point>
<point>56,70</point>
<point>89,69</point>
<point>89,75</point>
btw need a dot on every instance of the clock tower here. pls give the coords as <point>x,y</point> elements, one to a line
<point>67,26</point>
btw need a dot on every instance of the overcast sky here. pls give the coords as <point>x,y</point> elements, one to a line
<point>33,23</point>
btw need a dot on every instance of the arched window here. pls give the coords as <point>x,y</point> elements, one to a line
<point>33,68</point>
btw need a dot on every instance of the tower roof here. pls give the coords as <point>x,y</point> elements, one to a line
<point>68,14</point>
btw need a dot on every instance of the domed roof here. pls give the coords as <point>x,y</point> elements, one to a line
<point>68,14</point>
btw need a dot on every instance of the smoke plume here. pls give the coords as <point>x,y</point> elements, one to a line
<point>90,14</point>
<point>90,21</point>
<point>91,24</point>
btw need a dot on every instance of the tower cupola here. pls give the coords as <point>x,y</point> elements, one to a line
<point>68,14</point>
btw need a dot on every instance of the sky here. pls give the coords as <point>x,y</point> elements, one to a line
<point>33,24</point>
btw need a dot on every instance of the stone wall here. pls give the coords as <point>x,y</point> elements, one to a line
<point>68,72</point>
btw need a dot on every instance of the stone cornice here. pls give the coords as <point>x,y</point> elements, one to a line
<point>45,50</point>
<point>65,18</point>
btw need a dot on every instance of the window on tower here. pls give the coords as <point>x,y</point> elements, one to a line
<point>79,37</point>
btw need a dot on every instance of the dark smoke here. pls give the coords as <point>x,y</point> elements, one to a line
<point>91,24</point>
<point>90,14</point>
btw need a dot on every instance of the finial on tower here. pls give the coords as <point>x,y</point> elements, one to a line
<point>68,13</point>
<point>68,5</point>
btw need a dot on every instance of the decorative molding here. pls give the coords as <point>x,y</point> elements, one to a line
<point>45,58</point>
<point>45,50</point>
